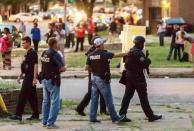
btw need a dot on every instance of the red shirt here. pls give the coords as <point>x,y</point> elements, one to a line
<point>90,28</point>
<point>8,40</point>
<point>80,32</point>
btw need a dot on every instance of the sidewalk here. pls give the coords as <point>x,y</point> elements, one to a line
<point>174,119</point>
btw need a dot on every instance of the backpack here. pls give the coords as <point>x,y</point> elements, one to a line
<point>185,57</point>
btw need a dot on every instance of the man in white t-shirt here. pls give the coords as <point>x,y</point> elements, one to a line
<point>161,33</point>
<point>60,36</point>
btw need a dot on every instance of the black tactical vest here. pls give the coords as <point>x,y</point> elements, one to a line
<point>131,62</point>
<point>49,68</point>
<point>99,64</point>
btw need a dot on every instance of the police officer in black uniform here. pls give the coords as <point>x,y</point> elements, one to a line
<point>29,71</point>
<point>85,101</point>
<point>135,64</point>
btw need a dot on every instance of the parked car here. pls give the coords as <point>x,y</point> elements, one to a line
<point>29,17</point>
<point>169,22</point>
<point>16,36</point>
<point>45,15</point>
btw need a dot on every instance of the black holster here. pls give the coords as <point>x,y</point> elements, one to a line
<point>123,79</point>
<point>40,77</point>
<point>106,77</point>
<point>56,80</point>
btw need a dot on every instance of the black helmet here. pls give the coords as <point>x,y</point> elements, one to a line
<point>139,40</point>
<point>93,38</point>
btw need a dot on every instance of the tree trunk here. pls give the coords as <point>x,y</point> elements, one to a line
<point>46,4</point>
<point>15,9</point>
<point>88,7</point>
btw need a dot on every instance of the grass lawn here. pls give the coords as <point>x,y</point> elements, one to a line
<point>78,60</point>
<point>158,56</point>
<point>6,85</point>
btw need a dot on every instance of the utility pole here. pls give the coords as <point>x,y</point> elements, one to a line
<point>65,10</point>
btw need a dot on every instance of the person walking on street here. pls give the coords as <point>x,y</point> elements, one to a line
<point>98,64</point>
<point>36,36</point>
<point>80,34</point>
<point>135,64</point>
<point>173,42</point>
<point>85,101</point>
<point>52,66</point>
<point>29,72</point>
<point>161,33</point>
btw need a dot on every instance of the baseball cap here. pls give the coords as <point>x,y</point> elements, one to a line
<point>99,41</point>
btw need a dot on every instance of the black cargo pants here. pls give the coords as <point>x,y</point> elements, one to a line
<point>27,93</point>
<point>130,89</point>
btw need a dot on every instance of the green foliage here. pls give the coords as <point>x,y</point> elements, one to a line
<point>159,54</point>
<point>78,60</point>
<point>6,85</point>
<point>69,103</point>
<point>71,1</point>
<point>86,5</point>
<point>13,2</point>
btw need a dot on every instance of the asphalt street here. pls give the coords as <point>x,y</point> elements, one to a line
<point>160,90</point>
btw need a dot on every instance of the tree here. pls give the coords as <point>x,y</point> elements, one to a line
<point>86,5</point>
<point>16,4</point>
<point>44,4</point>
<point>115,2</point>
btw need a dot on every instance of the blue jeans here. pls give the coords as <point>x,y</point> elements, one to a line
<point>51,102</point>
<point>105,90</point>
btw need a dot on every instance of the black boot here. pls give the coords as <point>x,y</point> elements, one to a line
<point>15,117</point>
<point>125,119</point>
<point>154,118</point>
<point>81,113</point>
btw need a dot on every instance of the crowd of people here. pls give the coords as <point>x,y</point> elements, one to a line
<point>68,34</point>
<point>178,43</point>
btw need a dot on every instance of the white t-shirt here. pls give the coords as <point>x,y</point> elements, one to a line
<point>60,36</point>
<point>161,29</point>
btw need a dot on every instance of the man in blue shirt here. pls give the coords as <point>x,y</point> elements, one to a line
<point>36,36</point>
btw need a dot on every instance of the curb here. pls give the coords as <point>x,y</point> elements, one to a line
<point>117,75</point>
